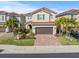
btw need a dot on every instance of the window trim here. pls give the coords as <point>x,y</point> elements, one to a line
<point>40,16</point>
<point>2,17</point>
<point>50,17</point>
<point>29,17</point>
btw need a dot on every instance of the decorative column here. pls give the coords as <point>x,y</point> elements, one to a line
<point>54,30</point>
<point>33,29</point>
<point>7,29</point>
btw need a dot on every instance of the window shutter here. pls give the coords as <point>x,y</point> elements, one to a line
<point>49,17</point>
<point>3,18</point>
<point>38,17</point>
<point>43,16</point>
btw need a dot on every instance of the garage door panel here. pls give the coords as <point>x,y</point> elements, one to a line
<point>44,30</point>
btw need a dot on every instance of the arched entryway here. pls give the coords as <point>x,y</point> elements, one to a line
<point>30,26</point>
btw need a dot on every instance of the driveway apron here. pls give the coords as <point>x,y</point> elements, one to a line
<point>46,39</point>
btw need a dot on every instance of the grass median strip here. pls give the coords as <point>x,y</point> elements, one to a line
<point>14,41</point>
<point>66,40</point>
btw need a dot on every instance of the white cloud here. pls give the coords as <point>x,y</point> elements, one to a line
<point>16,7</point>
<point>57,10</point>
<point>19,7</point>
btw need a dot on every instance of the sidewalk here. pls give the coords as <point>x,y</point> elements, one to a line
<point>38,49</point>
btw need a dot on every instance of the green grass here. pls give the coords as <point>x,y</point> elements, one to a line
<point>14,41</point>
<point>65,40</point>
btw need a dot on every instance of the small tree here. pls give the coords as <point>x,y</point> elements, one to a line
<point>63,23</point>
<point>59,22</point>
<point>20,32</point>
<point>11,23</point>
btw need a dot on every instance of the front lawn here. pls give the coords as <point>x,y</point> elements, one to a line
<point>66,40</point>
<point>14,41</point>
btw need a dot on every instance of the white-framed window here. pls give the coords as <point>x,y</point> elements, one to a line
<point>2,18</point>
<point>29,17</point>
<point>40,17</point>
<point>50,17</point>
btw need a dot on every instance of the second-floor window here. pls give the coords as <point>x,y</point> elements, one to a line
<point>50,17</point>
<point>2,18</point>
<point>14,17</point>
<point>40,16</point>
<point>29,17</point>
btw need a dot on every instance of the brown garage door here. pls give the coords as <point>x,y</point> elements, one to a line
<point>2,29</point>
<point>44,30</point>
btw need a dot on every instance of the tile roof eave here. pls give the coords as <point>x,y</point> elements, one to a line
<point>72,11</point>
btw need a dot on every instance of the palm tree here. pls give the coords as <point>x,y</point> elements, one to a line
<point>74,23</point>
<point>59,22</point>
<point>63,23</point>
<point>11,23</point>
<point>20,32</point>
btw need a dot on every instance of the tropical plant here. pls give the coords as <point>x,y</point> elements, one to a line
<point>20,32</point>
<point>63,23</point>
<point>30,35</point>
<point>59,22</point>
<point>11,23</point>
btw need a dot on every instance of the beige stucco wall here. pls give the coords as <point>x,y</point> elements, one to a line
<point>34,17</point>
<point>64,16</point>
<point>75,16</point>
<point>8,17</point>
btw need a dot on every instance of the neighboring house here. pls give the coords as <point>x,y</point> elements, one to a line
<point>41,21</point>
<point>5,16</point>
<point>72,13</point>
<point>15,16</point>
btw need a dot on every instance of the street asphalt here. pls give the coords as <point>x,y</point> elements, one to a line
<point>49,55</point>
<point>12,51</point>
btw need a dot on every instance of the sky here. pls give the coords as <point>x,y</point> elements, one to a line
<point>29,6</point>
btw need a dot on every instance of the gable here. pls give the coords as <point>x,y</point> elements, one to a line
<point>42,12</point>
<point>46,10</point>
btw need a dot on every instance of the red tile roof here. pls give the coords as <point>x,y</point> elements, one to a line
<point>72,10</point>
<point>3,12</point>
<point>50,22</point>
<point>14,14</point>
<point>42,23</point>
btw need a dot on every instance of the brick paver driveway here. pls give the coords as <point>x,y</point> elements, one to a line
<point>46,39</point>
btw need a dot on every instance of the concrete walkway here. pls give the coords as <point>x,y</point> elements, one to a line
<point>38,49</point>
<point>6,34</point>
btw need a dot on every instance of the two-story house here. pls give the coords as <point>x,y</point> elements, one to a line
<point>41,21</point>
<point>5,16</point>
<point>72,13</point>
